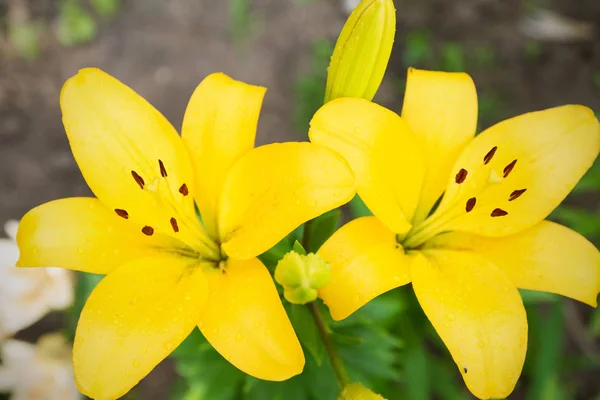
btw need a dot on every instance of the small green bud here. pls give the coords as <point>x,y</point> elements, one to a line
<point>301,276</point>
<point>356,391</point>
<point>362,51</point>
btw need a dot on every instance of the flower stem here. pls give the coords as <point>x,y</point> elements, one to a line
<point>341,375</point>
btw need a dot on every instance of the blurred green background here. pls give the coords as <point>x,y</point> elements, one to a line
<point>523,55</point>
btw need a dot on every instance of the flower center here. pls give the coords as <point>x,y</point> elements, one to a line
<point>185,226</point>
<point>479,190</point>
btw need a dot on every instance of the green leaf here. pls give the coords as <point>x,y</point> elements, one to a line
<point>307,331</point>
<point>298,248</point>
<point>546,365</point>
<point>75,26</point>
<point>359,208</point>
<point>85,285</point>
<point>453,58</point>
<point>106,8</point>
<point>590,181</point>
<point>322,227</point>
<point>583,221</point>
<point>418,51</point>
<point>535,297</point>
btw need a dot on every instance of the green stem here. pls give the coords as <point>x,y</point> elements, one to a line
<point>306,236</point>
<point>341,375</point>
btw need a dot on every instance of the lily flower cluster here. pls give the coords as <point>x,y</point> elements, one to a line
<point>179,220</point>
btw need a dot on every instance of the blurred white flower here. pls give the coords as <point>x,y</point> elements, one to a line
<point>547,25</point>
<point>38,372</point>
<point>27,294</point>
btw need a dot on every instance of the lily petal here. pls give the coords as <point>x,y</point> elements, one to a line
<point>132,320</point>
<point>129,154</point>
<point>382,151</point>
<point>440,107</point>
<point>246,322</point>
<point>273,189</point>
<point>478,314</point>
<point>219,127</point>
<point>82,234</point>
<point>547,257</point>
<point>366,261</point>
<point>519,170</point>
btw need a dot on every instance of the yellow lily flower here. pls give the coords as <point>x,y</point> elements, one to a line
<point>166,271</point>
<point>487,237</point>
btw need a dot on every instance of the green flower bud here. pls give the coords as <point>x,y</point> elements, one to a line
<point>362,51</point>
<point>301,276</point>
<point>356,391</point>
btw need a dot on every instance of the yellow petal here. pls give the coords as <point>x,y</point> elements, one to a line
<point>133,319</point>
<point>383,152</point>
<point>479,315</point>
<point>246,323</point>
<point>533,162</point>
<point>366,261</point>
<point>440,107</point>
<point>275,188</point>
<point>547,257</point>
<point>83,235</point>
<point>120,142</point>
<point>218,128</point>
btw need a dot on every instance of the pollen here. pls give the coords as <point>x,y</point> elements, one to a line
<point>461,176</point>
<point>138,179</point>
<point>163,171</point>
<point>184,190</point>
<point>488,157</point>
<point>498,212</point>
<point>174,225</point>
<point>516,194</point>
<point>148,230</point>
<point>470,204</point>
<point>509,168</point>
<point>122,213</point>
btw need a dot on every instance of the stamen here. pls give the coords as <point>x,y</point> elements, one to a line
<point>509,168</point>
<point>470,204</point>
<point>122,213</point>
<point>148,230</point>
<point>184,190</point>
<point>163,171</point>
<point>138,179</point>
<point>174,225</point>
<point>516,194</point>
<point>498,212</point>
<point>461,176</point>
<point>488,157</point>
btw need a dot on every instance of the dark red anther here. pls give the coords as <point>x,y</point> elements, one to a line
<point>174,225</point>
<point>488,157</point>
<point>184,190</point>
<point>148,230</point>
<point>138,179</point>
<point>498,212</point>
<point>516,194</point>
<point>163,171</point>
<point>122,213</point>
<point>470,204</point>
<point>509,168</point>
<point>461,176</point>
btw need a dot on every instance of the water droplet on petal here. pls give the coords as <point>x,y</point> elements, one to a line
<point>136,363</point>
<point>480,344</point>
<point>238,337</point>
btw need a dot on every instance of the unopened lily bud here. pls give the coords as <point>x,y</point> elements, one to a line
<point>356,391</point>
<point>301,276</point>
<point>362,51</point>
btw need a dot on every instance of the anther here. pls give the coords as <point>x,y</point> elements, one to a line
<point>488,157</point>
<point>163,171</point>
<point>509,168</point>
<point>148,230</point>
<point>470,204</point>
<point>174,225</point>
<point>498,212</point>
<point>122,213</point>
<point>516,194</point>
<point>184,190</point>
<point>138,179</point>
<point>461,176</point>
